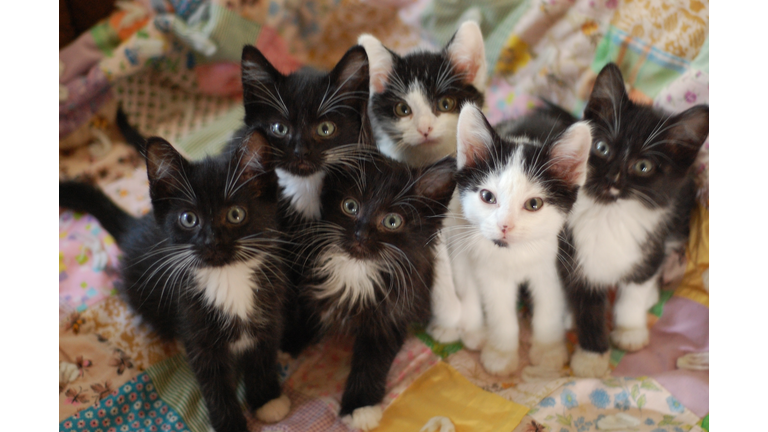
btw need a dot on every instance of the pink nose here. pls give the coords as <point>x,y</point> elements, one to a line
<point>426,134</point>
<point>504,229</point>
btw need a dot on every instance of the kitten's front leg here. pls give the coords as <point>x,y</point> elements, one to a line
<point>591,359</point>
<point>630,331</point>
<point>499,295</point>
<point>446,306</point>
<point>372,358</point>
<point>262,383</point>
<point>548,347</point>
<point>213,368</point>
<point>471,323</point>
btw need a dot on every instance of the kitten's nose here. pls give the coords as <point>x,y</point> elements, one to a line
<point>505,228</point>
<point>301,151</point>
<point>425,131</point>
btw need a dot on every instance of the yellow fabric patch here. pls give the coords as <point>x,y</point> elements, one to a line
<point>443,391</point>
<point>692,285</point>
<point>513,56</point>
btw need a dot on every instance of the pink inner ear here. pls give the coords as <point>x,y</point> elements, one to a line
<point>378,82</point>
<point>569,168</point>
<point>467,66</point>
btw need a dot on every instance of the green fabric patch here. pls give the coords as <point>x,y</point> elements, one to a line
<point>177,386</point>
<point>442,350</point>
<point>211,139</point>
<point>664,296</point>
<point>105,37</point>
<point>705,423</point>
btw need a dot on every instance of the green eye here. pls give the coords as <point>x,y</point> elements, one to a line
<point>487,196</point>
<point>643,168</point>
<point>446,104</point>
<point>326,129</point>
<point>188,220</point>
<point>602,149</point>
<point>350,206</point>
<point>402,109</point>
<point>236,215</point>
<point>279,129</point>
<point>392,221</point>
<point>534,204</point>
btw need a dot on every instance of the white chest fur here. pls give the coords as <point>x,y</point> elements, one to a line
<point>230,288</point>
<point>351,280</point>
<point>304,192</point>
<point>609,238</point>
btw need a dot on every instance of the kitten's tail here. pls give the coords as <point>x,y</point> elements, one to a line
<point>131,134</point>
<point>88,199</point>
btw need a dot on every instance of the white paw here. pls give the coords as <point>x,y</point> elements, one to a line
<point>630,339</point>
<point>554,355</point>
<point>473,339</point>
<point>439,424</point>
<point>532,374</point>
<point>68,372</point>
<point>497,362</point>
<point>588,364</point>
<point>274,410</point>
<point>443,334</point>
<point>365,418</point>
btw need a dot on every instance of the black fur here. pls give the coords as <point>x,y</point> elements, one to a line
<point>633,132</point>
<point>161,258</point>
<point>380,187</point>
<point>544,124</point>
<point>131,134</point>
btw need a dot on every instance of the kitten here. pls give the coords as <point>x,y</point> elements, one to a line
<point>415,99</point>
<point>633,209</point>
<point>371,267</point>
<point>202,267</point>
<point>513,198</point>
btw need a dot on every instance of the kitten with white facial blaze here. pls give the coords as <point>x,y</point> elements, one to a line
<point>371,268</point>
<point>415,98</point>
<point>513,198</point>
<point>203,267</point>
<point>632,211</point>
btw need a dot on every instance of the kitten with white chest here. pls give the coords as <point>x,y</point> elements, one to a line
<point>633,209</point>
<point>513,197</point>
<point>203,267</point>
<point>415,98</point>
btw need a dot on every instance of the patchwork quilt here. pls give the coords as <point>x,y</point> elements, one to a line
<point>174,67</point>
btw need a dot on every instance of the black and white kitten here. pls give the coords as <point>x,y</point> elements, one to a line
<point>203,267</point>
<point>371,267</point>
<point>415,99</point>
<point>633,209</point>
<point>513,197</point>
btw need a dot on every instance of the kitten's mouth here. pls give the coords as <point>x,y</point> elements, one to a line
<point>214,258</point>
<point>302,168</point>
<point>501,243</point>
<point>428,142</point>
<point>357,250</point>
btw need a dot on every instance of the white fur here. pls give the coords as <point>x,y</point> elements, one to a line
<point>608,237</point>
<point>467,53</point>
<point>630,331</point>
<point>304,192</point>
<point>588,364</point>
<point>438,424</point>
<point>446,306</point>
<point>353,280</point>
<point>379,62</point>
<point>243,343</point>
<point>364,418</point>
<point>472,134</point>
<point>274,410</point>
<point>231,287</point>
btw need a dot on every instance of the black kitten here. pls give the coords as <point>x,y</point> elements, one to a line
<point>202,267</point>
<point>371,267</point>
<point>633,209</point>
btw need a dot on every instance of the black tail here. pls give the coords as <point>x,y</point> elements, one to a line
<point>86,198</point>
<point>131,135</point>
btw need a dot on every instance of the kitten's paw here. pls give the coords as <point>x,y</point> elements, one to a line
<point>443,334</point>
<point>365,418</point>
<point>532,374</point>
<point>554,355</point>
<point>630,339</point>
<point>588,364</point>
<point>274,410</point>
<point>497,362</point>
<point>439,424</point>
<point>473,339</point>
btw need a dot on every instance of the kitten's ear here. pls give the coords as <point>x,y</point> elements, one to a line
<point>252,158</point>
<point>381,62</point>
<point>259,78</point>
<point>570,153</point>
<point>467,53</point>
<point>474,136</point>
<point>437,181</point>
<point>687,132</point>
<point>351,72</point>
<point>608,95</point>
<point>165,169</point>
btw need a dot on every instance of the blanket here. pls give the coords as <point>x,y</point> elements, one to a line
<point>173,66</point>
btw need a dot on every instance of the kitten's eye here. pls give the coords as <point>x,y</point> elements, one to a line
<point>488,196</point>
<point>188,220</point>
<point>602,149</point>
<point>392,221</point>
<point>402,109</point>
<point>236,215</point>
<point>279,129</point>
<point>534,204</point>
<point>326,129</point>
<point>446,104</point>
<point>350,206</point>
<point>643,168</point>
